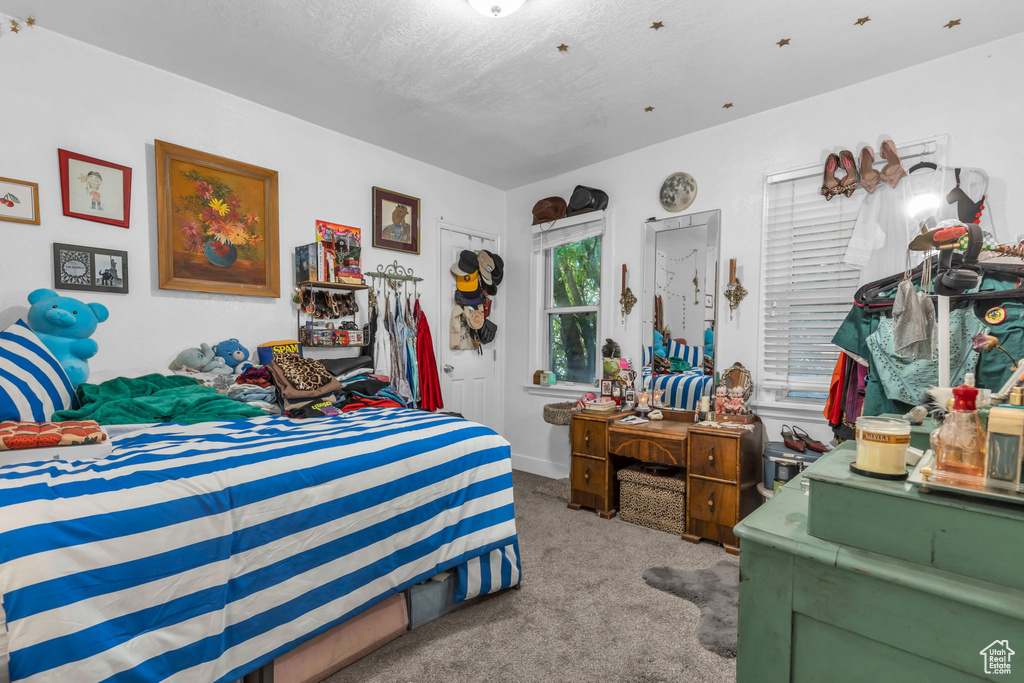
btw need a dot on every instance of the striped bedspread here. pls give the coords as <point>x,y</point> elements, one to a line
<point>683,390</point>
<point>198,553</point>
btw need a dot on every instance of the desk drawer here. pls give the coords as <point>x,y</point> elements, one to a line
<point>589,475</point>
<point>711,501</point>
<point>665,451</point>
<point>589,437</point>
<point>713,457</point>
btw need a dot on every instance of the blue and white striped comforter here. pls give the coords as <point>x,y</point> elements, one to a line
<point>683,390</point>
<point>198,553</point>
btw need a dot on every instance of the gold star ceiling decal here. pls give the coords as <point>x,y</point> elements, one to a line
<point>862,21</point>
<point>952,23</point>
<point>782,43</point>
<point>658,24</point>
<point>14,26</point>
<point>727,105</point>
<point>563,48</point>
<point>31,21</point>
<point>648,108</point>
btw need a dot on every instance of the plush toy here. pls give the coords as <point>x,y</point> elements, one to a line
<point>720,400</point>
<point>660,347</point>
<point>202,359</point>
<point>64,325</point>
<point>235,355</point>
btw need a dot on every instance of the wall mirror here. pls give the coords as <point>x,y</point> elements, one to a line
<point>679,307</point>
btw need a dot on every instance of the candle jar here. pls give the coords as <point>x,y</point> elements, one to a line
<point>882,444</point>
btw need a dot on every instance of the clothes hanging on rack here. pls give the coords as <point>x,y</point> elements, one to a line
<point>396,328</point>
<point>430,381</point>
<point>370,329</point>
<point>411,370</point>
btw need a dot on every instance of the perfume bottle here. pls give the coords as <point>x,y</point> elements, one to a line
<point>959,444</point>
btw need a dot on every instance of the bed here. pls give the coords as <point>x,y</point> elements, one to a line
<point>202,552</point>
<point>683,390</point>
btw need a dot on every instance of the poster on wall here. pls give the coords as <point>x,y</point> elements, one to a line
<point>95,190</point>
<point>90,269</point>
<point>396,221</point>
<point>346,244</point>
<point>216,223</point>
<point>19,201</point>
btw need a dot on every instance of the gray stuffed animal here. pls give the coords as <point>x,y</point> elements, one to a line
<point>203,359</point>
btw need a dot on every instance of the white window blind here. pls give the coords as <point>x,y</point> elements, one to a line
<point>556,236</point>
<point>807,290</point>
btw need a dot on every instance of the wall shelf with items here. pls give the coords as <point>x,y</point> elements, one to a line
<point>327,313</point>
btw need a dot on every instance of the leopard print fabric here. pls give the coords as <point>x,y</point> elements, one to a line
<point>305,374</point>
<point>654,502</point>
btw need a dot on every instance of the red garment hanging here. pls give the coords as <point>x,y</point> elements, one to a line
<point>430,383</point>
<point>834,405</point>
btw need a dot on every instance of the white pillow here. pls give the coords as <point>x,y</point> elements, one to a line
<point>33,385</point>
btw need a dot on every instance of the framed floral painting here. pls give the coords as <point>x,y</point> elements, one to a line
<point>216,223</point>
<point>95,190</point>
<point>396,221</point>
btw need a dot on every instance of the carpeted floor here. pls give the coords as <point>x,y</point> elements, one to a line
<point>583,614</point>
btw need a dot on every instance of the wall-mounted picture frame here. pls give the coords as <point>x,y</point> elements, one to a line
<point>217,228</point>
<point>396,221</point>
<point>90,269</point>
<point>709,301</point>
<point>19,201</point>
<point>95,190</point>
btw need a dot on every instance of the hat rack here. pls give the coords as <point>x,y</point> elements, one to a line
<point>394,275</point>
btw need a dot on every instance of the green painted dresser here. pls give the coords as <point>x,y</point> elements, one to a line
<point>846,578</point>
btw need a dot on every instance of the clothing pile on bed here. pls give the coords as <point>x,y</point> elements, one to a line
<point>255,388</point>
<point>308,388</point>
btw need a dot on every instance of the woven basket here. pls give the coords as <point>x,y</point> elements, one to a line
<point>654,502</point>
<point>559,413</point>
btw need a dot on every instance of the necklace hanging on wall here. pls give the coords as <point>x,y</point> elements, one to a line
<point>696,286</point>
<point>670,275</point>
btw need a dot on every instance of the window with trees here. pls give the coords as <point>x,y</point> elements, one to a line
<point>572,309</point>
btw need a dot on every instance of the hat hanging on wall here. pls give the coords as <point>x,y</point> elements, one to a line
<point>586,199</point>
<point>467,264</point>
<point>678,191</point>
<point>547,210</point>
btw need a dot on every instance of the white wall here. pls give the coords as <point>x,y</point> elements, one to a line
<point>976,97</point>
<point>61,93</point>
<point>675,281</point>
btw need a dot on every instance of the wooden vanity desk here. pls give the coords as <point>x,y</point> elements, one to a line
<point>722,467</point>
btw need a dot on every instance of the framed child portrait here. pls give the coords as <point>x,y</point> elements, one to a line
<point>396,221</point>
<point>95,190</point>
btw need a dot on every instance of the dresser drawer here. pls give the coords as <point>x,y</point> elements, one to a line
<point>666,451</point>
<point>713,457</point>
<point>589,475</point>
<point>711,501</point>
<point>589,437</point>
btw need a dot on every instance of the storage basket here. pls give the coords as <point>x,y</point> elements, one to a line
<point>652,501</point>
<point>559,413</point>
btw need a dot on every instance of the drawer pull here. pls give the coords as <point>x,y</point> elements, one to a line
<point>711,502</point>
<point>586,475</point>
<point>711,454</point>
<point>586,437</point>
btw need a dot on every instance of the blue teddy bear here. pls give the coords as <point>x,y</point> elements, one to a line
<point>234,355</point>
<point>64,325</point>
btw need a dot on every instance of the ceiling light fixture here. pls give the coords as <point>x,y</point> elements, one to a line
<point>496,8</point>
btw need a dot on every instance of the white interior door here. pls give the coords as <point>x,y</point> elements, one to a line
<point>470,382</point>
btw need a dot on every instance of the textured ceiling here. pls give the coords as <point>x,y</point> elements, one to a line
<point>493,99</point>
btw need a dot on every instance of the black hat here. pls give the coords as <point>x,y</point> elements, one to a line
<point>586,199</point>
<point>467,263</point>
<point>469,298</point>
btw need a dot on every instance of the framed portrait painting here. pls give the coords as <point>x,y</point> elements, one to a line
<point>217,225</point>
<point>95,190</point>
<point>396,221</point>
<point>90,269</point>
<point>19,201</point>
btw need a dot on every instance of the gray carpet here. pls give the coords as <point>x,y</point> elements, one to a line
<point>716,591</point>
<point>583,614</point>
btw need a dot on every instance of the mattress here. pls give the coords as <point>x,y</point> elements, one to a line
<point>201,552</point>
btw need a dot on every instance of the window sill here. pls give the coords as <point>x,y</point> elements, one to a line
<point>789,410</point>
<point>560,390</point>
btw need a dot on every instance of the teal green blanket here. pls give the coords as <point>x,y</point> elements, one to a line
<point>154,398</point>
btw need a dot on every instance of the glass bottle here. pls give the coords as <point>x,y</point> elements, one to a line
<point>959,444</point>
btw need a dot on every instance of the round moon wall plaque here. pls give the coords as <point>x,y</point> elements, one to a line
<point>678,191</point>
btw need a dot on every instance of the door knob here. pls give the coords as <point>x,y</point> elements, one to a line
<point>448,368</point>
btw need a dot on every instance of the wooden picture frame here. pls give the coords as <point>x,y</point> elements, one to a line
<point>95,190</point>
<point>217,223</point>
<point>396,221</point>
<point>90,269</point>
<point>19,201</point>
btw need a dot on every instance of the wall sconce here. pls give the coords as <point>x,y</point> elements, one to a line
<point>734,291</point>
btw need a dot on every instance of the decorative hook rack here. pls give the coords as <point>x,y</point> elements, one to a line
<point>394,274</point>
